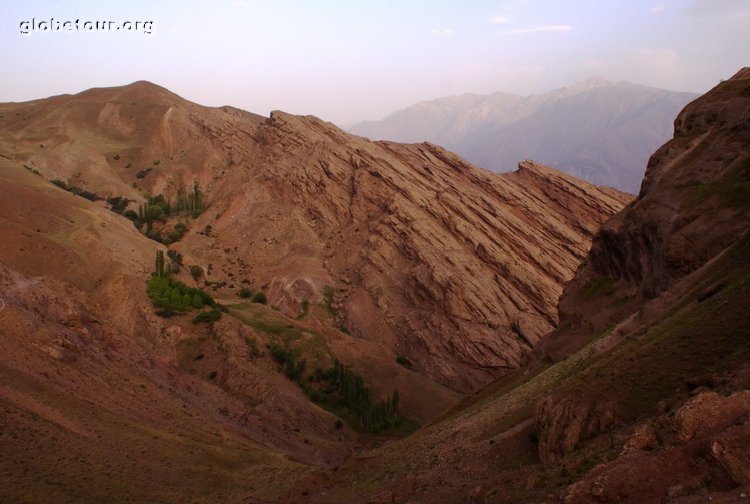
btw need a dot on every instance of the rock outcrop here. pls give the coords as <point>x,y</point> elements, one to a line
<point>562,423</point>
<point>707,440</point>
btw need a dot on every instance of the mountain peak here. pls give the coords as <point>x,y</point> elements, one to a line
<point>591,83</point>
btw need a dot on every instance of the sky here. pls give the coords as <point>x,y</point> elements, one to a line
<point>347,61</point>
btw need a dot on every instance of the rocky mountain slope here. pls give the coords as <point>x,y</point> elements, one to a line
<point>421,272</point>
<point>597,130</point>
<point>641,394</point>
<point>457,269</point>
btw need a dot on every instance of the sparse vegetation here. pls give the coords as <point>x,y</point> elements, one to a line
<point>118,204</point>
<point>304,309</point>
<point>293,366</point>
<point>91,196</point>
<point>328,300</point>
<point>252,347</point>
<point>174,256</point>
<point>732,191</point>
<point>159,208</point>
<point>154,235</point>
<point>340,387</point>
<point>599,286</point>
<point>179,232</point>
<point>404,361</point>
<point>208,317</point>
<point>142,173</point>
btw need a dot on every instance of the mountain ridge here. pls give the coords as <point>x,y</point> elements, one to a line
<point>497,130</point>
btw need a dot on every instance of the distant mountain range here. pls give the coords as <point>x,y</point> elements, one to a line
<point>598,130</point>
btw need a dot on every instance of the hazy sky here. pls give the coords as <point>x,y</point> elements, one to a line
<point>352,60</point>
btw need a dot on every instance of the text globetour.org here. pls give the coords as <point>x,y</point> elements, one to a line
<point>51,25</point>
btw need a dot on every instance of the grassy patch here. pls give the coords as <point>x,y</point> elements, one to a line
<point>599,286</point>
<point>732,191</point>
<point>694,339</point>
<point>207,317</point>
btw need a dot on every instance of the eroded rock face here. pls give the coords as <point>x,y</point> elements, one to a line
<point>454,267</point>
<point>710,412</point>
<point>708,439</point>
<point>563,423</point>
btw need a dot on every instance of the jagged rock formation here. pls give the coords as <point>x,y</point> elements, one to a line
<point>597,130</point>
<point>456,268</point>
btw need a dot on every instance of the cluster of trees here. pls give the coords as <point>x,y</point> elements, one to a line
<point>349,391</point>
<point>340,387</point>
<point>170,294</point>
<point>187,205</point>
<point>159,207</point>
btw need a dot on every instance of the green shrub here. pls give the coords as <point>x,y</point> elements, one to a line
<point>175,256</point>
<point>245,293</point>
<point>91,196</point>
<point>404,361</point>
<point>260,297</point>
<point>154,235</point>
<point>208,317</point>
<point>118,204</point>
<point>196,272</point>
<point>142,174</point>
